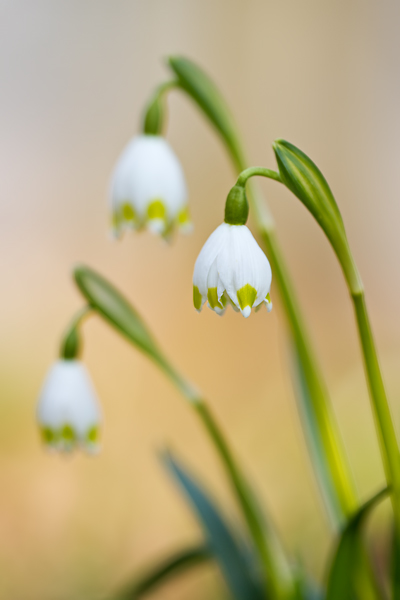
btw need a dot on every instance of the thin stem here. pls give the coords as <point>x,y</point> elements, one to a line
<point>329,437</point>
<point>277,584</point>
<point>253,171</point>
<point>383,418</point>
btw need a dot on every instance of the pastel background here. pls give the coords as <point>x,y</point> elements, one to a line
<point>74,77</point>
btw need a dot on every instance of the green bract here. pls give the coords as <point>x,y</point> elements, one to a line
<point>109,302</point>
<point>202,90</point>
<point>299,174</point>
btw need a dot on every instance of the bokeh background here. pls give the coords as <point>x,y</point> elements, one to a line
<point>75,75</point>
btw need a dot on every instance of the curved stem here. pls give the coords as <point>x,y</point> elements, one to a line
<point>253,171</point>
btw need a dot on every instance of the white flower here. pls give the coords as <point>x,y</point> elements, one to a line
<point>148,188</point>
<point>68,410</point>
<point>232,267</point>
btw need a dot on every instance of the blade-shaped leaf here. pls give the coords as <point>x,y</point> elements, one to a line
<point>205,93</point>
<point>172,566</point>
<point>109,302</point>
<point>231,556</point>
<point>344,580</point>
<point>302,176</point>
<point>326,449</point>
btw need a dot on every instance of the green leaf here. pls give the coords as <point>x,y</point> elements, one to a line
<point>230,554</point>
<point>109,302</point>
<point>172,566</point>
<point>305,180</point>
<point>204,92</point>
<point>323,440</point>
<point>345,578</point>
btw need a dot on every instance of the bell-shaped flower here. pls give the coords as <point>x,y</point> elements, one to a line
<point>231,267</point>
<point>68,411</point>
<point>148,188</point>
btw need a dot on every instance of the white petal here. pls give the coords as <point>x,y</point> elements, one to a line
<point>207,256</point>
<point>68,399</point>
<point>241,262</point>
<point>156,226</point>
<point>148,170</point>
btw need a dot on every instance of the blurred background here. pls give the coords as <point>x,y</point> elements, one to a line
<point>75,75</point>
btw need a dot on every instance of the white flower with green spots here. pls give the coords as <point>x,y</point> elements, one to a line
<point>148,188</point>
<point>68,412</point>
<point>231,267</point>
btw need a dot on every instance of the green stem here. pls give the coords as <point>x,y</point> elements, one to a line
<point>277,581</point>
<point>328,433</point>
<point>253,171</point>
<point>386,432</point>
<point>322,417</point>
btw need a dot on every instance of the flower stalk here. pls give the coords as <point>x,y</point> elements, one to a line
<point>300,174</point>
<point>328,455</point>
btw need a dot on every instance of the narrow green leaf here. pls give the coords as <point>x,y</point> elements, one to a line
<point>345,578</point>
<point>319,424</point>
<point>171,567</point>
<point>109,302</point>
<point>305,180</point>
<point>277,577</point>
<point>230,554</point>
<point>204,92</point>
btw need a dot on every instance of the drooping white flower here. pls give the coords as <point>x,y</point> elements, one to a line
<point>68,411</point>
<point>232,267</point>
<point>148,188</point>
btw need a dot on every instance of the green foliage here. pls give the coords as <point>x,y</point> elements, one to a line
<point>302,176</point>
<point>104,298</point>
<point>233,557</point>
<point>305,180</point>
<point>171,567</point>
<point>346,579</point>
<point>197,84</point>
<point>318,422</point>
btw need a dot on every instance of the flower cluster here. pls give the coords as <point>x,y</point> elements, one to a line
<point>148,188</point>
<point>231,267</point>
